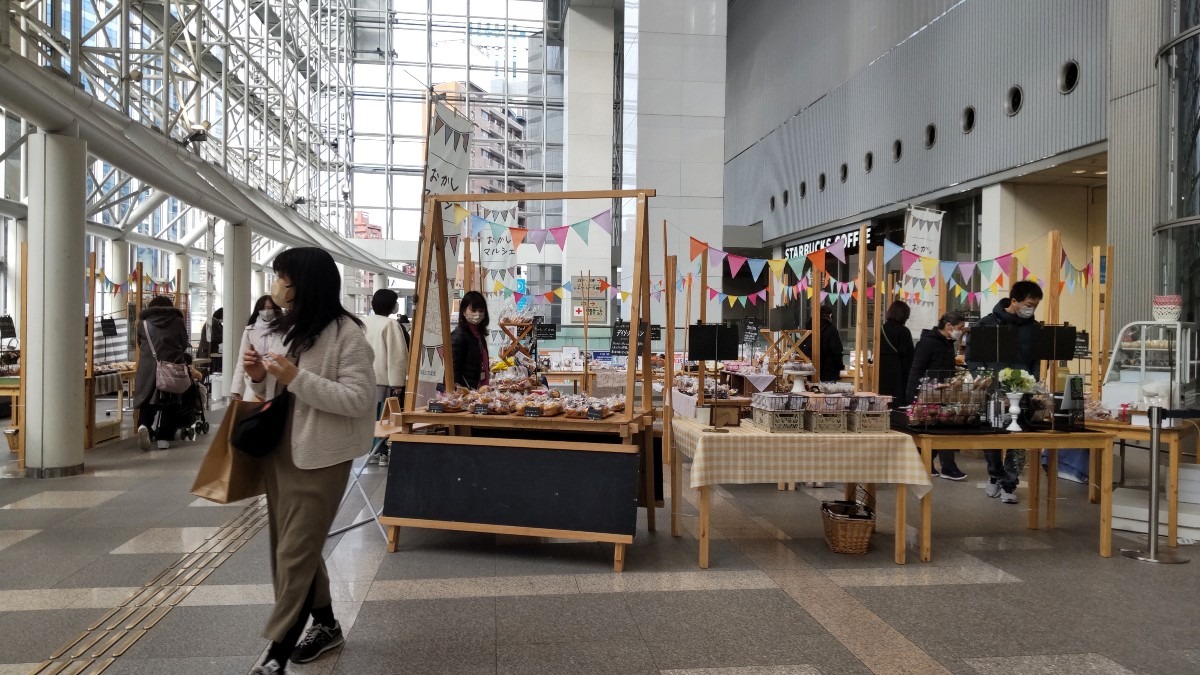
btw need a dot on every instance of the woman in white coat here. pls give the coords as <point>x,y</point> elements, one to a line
<point>391,356</point>
<point>260,321</point>
<point>317,350</point>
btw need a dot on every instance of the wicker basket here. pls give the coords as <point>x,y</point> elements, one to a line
<point>848,526</point>
<point>778,421</point>
<point>14,441</point>
<point>868,422</point>
<point>825,423</point>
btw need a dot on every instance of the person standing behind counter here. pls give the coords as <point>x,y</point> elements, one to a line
<point>472,367</point>
<point>318,352</point>
<point>934,357</point>
<point>895,354</point>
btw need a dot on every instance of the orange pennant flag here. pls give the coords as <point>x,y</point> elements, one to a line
<point>518,235</point>
<point>697,248</point>
<point>818,260</point>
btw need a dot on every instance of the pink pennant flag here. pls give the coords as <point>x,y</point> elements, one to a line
<point>762,295</point>
<point>907,260</point>
<point>604,220</point>
<point>538,238</point>
<point>871,293</point>
<point>712,293</point>
<point>715,256</point>
<point>560,235</point>
<point>735,263</point>
<point>1004,262</point>
<point>838,250</point>
<point>753,299</point>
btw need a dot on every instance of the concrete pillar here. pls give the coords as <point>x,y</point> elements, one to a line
<point>54,357</point>
<point>237,292</point>
<point>118,273</point>
<point>380,282</point>
<point>258,284</point>
<point>587,155</point>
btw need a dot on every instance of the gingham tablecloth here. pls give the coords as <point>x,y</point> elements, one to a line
<point>750,455</point>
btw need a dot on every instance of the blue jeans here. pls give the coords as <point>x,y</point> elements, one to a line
<point>1004,467</point>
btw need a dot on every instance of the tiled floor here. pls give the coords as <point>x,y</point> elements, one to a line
<point>998,598</point>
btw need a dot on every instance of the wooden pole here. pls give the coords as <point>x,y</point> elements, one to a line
<point>669,398</point>
<point>815,308</point>
<point>468,266</point>
<point>587,295</point>
<point>438,241</point>
<point>882,301</point>
<point>89,374</point>
<point>424,259</point>
<point>640,294</point>
<point>860,321</point>
<point>703,318</point>
<point>1095,373</point>
<point>1050,368</point>
<point>1106,336</point>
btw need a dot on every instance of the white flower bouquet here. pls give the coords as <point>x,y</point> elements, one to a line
<point>1016,380</point>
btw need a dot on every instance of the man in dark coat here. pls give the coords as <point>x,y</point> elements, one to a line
<point>212,335</point>
<point>832,356</point>
<point>169,337</point>
<point>1017,310</point>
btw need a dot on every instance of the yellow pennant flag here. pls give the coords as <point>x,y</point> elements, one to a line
<point>460,214</point>
<point>1021,253</point>
<point>732,300</point>
<point>497,287</point>
<point>777,267</point>
<point>625,295</point>
<point>930,266</point>
<point>559,292</point>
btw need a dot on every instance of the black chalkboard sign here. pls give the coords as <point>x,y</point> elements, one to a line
<point>619,346</point>
<point>8,329</point>
<point>548,488</point>
<point>751,335</point>
<point>108,327</point>
<point>546,331</point>
<point>1083,347</point>
<point>655,332</point>
<point>481,409</point>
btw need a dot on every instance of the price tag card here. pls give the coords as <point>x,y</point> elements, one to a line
<point>481,409</point>
<point>435,407</point>
<point>595,414</point>
<point>533,411</point>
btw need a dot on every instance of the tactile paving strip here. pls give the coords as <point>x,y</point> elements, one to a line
<point>95,649</point>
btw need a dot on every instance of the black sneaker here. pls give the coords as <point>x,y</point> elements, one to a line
<point>934,472</point>
<point>316,641</point>
<point>953,474</point>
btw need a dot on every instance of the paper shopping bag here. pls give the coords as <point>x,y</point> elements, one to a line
<point>227,475</point>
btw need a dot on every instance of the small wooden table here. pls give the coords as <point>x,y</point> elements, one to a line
<point>10,386</point>
<point>1098,442</point>
<point>747,455</point>
<point>1174,437</point>
<point>575,377</point>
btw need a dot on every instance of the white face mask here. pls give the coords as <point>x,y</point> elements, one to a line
<point>267,314</point>
<point>1026,312</point>
<point>475,317</point>
<point>956,334</point>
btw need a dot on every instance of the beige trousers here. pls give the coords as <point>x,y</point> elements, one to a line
<point>301,506</point>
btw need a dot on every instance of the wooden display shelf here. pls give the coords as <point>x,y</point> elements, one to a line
<point>619,423</point>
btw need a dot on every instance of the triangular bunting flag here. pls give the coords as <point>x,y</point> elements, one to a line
<point>930,266</point>
<point>871,267</point>
<point>581,229</point>
<point>560,235</point>
<point>518,235</point>
<point>824,297</point>
<point>777,267</point>
<point>797,265</point>
<point>890,250</point>
<point>559,292</point>
<point>838,250</point>
<point>907,260</point>
<point>460,214</point>
<point>713,293</point>
<point>568,287</point>
<point>871,293</point>
<point>756,267</point>
<point>697,247</point>
<point>453,241</point>
<point>498,230</point>
<point>735,263</point>
<point>715,256</point>
<point>818,260</point>
<point>549,296</point>
<point>538,237</point>
<point>604,220</point>
<point>753,297</point>
<point>1004,262</point>
<point>478,225</point>
<point>625,295</point>
<point>732,300</point>
<point>967,269</point>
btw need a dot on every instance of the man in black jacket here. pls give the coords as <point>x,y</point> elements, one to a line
<point>1016,310</point>
<point>832,352</point>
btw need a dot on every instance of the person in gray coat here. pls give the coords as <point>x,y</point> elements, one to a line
<point>161,330</point>
<point>318,351</point>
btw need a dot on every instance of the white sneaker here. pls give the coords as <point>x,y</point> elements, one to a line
<point>163,445</point>
<point>1008,497</point>
<point>993,488</point>
<point>144,438</point>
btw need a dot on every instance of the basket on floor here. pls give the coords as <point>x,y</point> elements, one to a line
<point>848,525</point>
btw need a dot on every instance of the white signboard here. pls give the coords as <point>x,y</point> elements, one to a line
<point>922,236</point>
<point>597,310</point>
<point>446,173</point>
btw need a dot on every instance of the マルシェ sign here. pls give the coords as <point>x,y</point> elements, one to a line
<point>802,248</point>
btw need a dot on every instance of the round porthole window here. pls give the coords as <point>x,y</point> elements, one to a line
<point>930,135</point>
<point>821,182</point>
<point>897,150</point>
<point>968,119</point>
<point>1068,77</point>
<point>868,162</point>
<point>1013,100</point>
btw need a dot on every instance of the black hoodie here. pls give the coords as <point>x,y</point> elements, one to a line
<point>934,357</point>
<point>1027,330</point>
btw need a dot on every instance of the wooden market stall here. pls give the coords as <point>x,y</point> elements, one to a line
<point>577,479</point>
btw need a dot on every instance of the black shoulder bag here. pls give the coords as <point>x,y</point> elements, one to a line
<point>259,432</point>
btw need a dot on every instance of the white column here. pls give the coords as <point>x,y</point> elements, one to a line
<point>118,273</point>
<point>237,292</point>
<point>53,356</point>
<point>588,131</point>
<point>381,282</point>
<point>183,263</point>
<point>258,284</point>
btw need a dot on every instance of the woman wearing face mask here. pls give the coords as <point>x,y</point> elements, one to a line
<point>469,342</point>
<point>264,313</point>
<point>934,357</point>
<point>318,351</point>
<point>391,358</point>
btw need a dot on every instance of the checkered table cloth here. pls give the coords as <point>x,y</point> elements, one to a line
<point>750,455</point>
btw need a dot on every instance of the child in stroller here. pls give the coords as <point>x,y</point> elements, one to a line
<point>180,413</point>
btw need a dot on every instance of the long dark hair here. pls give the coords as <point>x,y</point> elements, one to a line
<point>259,306</point>
<point>316,297</point>
<point>474,300</point>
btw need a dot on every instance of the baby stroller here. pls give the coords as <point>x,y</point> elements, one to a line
<point>186,411</point>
